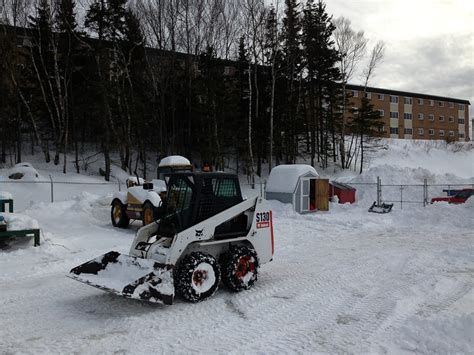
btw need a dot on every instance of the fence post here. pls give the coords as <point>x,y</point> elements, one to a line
<point>425,192</point>
<point>379,191</point>
<point>401,197</point>
<point>52,188</point>
<point>120,186</point>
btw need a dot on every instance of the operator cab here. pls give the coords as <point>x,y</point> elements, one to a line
<point>195,197</point>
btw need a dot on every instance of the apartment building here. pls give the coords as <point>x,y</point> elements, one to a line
<point>411,115</point>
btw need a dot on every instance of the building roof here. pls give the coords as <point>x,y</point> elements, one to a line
<point>406,93</point>
<point>284,178</point>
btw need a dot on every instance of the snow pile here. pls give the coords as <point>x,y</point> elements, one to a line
<point>284,178</point>
<point>436,157</point>
<point>5,195</point>
<point>24,172</point>
<point>174,160</point>
<point>16,221</point>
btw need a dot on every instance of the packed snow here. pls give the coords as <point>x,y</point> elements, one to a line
<point>343,281</point>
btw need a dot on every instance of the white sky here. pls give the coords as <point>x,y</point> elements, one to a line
<point>429,43</point>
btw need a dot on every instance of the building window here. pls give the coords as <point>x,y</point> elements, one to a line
<point>441,103</point>
<point>355,93</point>
<point>421,116</point>
<point>355,110</point>
<point>407,100</point>
<point>451,133</point>
<point>451,105</point>
<point>451,119</point>
<point>382,129</point>
<point>394,99</point>
<point>393,114</point>
<point>461,135</point>
<point>407,116</point>
<point>431,117</point>
<point>380,97</point>
<point>420,101</point>
<point>382,113</point>
<point>393,130</point>
<point>421,131</point>
<point>441,133</point>
<point>461,107</point>
<point>368,95</point>
<point>461,120</point>
<point>408,131</point>
<point>431,132</point>
<point>431,102</point>
<point>441,118</point>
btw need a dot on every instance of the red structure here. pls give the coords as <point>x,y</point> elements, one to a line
<point>344,192</point>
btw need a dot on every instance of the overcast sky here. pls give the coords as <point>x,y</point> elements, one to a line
<point>429,43</point>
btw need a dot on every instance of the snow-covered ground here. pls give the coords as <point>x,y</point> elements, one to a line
<point>345,281</point>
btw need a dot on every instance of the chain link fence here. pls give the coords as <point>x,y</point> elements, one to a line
<point>54,191</point>
<point>406,195</point>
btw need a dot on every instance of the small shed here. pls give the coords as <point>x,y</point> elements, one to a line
<point>345,193</point>
<point>295,184</point>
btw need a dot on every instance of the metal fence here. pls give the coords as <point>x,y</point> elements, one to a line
<point>54,191</point>
<point>406,194</point>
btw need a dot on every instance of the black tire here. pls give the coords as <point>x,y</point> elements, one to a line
<point>118,214</point>
<point>148,211</point>
<point>198,277</point>
<point>239,268</point>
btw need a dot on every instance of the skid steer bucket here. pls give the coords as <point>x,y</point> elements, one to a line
<point>128,276</point>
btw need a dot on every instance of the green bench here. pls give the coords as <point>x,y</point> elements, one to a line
<point>3,204</point>
<point>23,233</point>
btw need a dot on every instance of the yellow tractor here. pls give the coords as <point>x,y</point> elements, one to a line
<point>142,199</point>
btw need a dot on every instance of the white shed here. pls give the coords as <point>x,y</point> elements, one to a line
<point>293,184</point>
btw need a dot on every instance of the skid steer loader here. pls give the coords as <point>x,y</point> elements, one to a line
<point>207,232</point>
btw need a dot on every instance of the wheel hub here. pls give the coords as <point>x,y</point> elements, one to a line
<point>199,277</point>
<point>244,266</point>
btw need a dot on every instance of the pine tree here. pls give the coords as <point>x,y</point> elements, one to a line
<point>292,59</point>
<point>366,123</point>
<point>320,58</point>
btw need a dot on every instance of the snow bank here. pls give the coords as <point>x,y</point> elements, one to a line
<point>283,178</point>
<point>173,160</point>
<point>16,221</point>
<point>436,156</point>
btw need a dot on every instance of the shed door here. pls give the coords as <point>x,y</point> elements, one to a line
<point>305,182</point>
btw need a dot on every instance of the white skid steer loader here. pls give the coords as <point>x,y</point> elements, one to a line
<point>205,232</point>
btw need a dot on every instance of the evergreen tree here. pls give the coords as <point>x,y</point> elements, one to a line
<point>320,58</point>
<point>292,59</point>
<point>366,123</point>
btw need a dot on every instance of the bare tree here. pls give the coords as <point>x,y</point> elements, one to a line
<point>351,46</point>
<point>369,116</point>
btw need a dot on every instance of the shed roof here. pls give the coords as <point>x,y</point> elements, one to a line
<point>284,178</point>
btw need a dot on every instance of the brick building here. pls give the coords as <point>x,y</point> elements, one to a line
<point>417,116</point>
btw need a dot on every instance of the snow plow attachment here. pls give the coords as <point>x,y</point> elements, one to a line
<point>128,276</point>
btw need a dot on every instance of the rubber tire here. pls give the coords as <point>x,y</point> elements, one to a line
<point>148,205</point>
<point>124,220</point>
<point>230,263</point>
<point>184,276</point>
